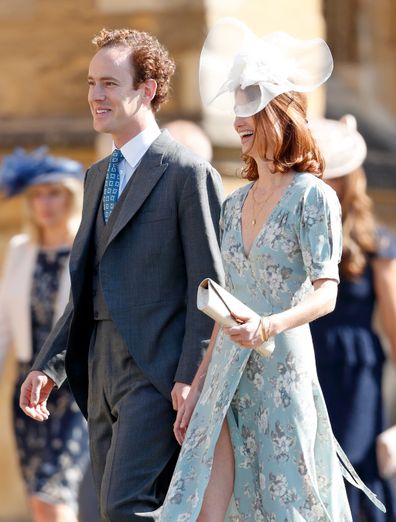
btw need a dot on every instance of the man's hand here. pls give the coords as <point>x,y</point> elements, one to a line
<point>179,394</point>
<point>35,391</point>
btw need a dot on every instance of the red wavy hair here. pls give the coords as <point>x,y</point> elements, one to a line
<point>283,124</point>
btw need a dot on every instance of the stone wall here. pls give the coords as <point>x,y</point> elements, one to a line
<point>382,17</point>
<point>45,49</point>
<point>362,36</point>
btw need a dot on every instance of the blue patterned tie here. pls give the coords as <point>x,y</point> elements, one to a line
<point>112,184</point>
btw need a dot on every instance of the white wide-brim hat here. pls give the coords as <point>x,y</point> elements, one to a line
<point>343,147</point>
<point>240,72</point>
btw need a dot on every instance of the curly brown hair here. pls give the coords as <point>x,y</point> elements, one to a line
<point>150,60</point>
<point>358,224</point>
<point>283,123</point>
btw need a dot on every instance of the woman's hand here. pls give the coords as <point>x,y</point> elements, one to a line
<point>184,414</point>
<point>249,334</point>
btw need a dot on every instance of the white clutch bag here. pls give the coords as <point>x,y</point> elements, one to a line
<point>224,308</point>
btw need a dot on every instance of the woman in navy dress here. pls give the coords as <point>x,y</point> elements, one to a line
<point>348,352</point>
<point>33,293</point>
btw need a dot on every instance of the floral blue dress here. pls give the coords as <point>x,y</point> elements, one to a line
<point>286,464</point>
<point>54,454</point>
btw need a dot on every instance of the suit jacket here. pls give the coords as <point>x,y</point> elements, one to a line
<point>163,243</point>
<point>15,288</point>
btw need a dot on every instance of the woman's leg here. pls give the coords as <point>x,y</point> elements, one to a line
<point>45,512</point>
<point>221,483</point>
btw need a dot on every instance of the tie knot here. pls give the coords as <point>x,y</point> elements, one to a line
<point>116,156</point>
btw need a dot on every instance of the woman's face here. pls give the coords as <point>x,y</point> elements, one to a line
<point>50,204</point>
<point>245,128</point>
<point>252,143</point>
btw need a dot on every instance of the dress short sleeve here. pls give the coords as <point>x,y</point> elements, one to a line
<point>320,232</point>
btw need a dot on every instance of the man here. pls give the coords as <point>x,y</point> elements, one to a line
<point>131,338</point>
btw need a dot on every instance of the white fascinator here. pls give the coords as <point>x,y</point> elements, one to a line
<point>241,72</point>
<point>343,147</point>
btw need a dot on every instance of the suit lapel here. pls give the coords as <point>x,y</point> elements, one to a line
<point>94,193</point>
<point>143,181</point>
<point>92,198</point>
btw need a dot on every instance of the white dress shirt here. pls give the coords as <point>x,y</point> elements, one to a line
<point>133,151</point>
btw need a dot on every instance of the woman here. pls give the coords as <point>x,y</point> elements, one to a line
<point>259,445</point>
<point>348,352</point>
<point>34,291</point>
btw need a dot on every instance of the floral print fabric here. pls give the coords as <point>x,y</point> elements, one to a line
<point>53,454</point>
<point>286,466</point>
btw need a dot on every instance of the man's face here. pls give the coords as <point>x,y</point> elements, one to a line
<point>115,104</point>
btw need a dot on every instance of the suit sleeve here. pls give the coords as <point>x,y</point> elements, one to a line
<point>199,213</point>
<point>51,358</point>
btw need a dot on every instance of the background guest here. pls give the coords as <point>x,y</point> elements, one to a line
<point>192,136</point>
<point>33,293</point>
<point>348,352</point>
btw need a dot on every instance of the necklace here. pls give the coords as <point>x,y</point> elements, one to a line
<point>262,203</point>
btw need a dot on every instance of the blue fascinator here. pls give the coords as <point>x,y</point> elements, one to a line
<point>21,170</point>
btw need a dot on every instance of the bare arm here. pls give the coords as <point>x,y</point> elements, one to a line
<point>199,378</point>
<point>385,288</point>
<point>320,302</point>
<point>185,411</point>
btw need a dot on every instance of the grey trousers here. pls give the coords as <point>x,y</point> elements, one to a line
<point>133,449</point>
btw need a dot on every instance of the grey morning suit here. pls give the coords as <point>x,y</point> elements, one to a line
<point>131,328</point>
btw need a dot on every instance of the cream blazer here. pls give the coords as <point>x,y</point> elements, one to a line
<point>15,288</point>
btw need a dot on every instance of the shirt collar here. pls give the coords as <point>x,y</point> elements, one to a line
<point>136,148</point>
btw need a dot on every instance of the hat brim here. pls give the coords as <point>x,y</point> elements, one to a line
<point>343,148</point>
<point>54,177</point>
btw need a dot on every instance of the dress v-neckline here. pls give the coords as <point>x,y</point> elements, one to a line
<point>269,217</point>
